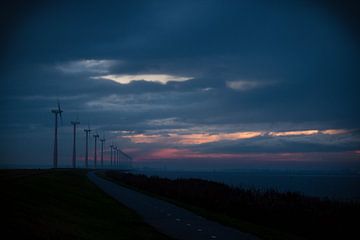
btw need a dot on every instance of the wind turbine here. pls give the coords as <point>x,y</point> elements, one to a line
<point>115,156</point>
<point>127,157</point>
<point>87,132</point>
<point>56,112</point>
<point>111,154</point>
<point>74,123</point>
<point>96,136</point>
<point>119,156</point>
<point>102,140</point>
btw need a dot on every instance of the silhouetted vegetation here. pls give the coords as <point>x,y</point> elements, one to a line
<point>309,217</point>
<point>64,204</point>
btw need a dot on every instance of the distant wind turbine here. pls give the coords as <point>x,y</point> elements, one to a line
<point>115,156</point>
<point>125,155</point>
<point>118,156</point>
<point>129,158</point>
<point>74,123</point>
<point>102,140</point>
<point>87,132</point>
<point>56,112</point>
<point>111,154</point>
<point>96,136</point>
<point>121,153</point>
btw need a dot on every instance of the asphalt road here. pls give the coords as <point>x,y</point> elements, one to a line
<point>167,218</point>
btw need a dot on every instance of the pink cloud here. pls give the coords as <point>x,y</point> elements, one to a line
<point>174,153</point>
<point>189,139</point>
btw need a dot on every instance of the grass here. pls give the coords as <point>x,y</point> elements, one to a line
<point>270,214</point>
<point>64,204</point>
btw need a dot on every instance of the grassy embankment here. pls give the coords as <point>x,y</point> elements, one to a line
<point>64,204</point>
<point>270,215</point>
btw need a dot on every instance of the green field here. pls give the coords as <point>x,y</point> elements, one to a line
<point>63,204</point>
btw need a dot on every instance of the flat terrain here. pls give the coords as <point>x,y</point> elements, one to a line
<point>64,204</point>
<point>169,218</point>
<point>267,214</point>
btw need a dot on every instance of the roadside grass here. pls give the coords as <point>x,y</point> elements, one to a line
<point>64,204</point>
<point>263,232</point>
<point>269,215</point>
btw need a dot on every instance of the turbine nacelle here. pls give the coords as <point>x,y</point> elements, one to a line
<point>58,110</point>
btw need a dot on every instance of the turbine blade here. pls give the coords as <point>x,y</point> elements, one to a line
<point>60,111</point>
<point>61,119</point>
<point>58,104</point>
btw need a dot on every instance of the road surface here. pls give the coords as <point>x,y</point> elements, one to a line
<point>167,218</point>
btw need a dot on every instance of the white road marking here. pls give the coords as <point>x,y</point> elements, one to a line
<point>178,219</point>
<point>188,224</point>
<point>213,236</point>
<point>199,230</point>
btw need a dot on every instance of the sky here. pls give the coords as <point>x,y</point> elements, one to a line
<point>183,84</point>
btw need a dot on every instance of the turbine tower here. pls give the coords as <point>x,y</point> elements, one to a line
<point>118,154</point>
<point>87,132</point>
<point>118,157</point>
<point>56,112</point>
<point>115,156</point>
<point>102,140</point>
<point>74,123</point>
<point>96,136</point>
<point>111,154</point>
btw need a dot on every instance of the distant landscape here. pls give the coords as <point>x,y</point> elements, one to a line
<point>267,213</point>
<point>338,185</point>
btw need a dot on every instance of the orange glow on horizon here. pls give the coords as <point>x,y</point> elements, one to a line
<point>201,138</point>
<point>174,153</point>
<point>335,131</point>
